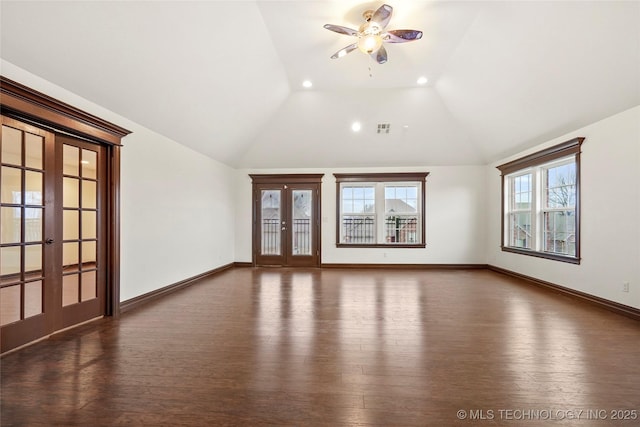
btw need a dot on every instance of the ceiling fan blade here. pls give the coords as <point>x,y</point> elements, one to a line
<point>383,15</point>
<point>342,52</point>
<point>340,29</point>
<point>380,55</point>
<point>401,36</point>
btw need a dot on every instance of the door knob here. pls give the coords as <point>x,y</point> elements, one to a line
<point>49,241</point>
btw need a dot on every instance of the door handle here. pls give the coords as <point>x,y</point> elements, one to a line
<point>284,228</point>
<point>49,241</point>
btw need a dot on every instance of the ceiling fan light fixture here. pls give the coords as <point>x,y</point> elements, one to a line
<point>369,38</point>
<point>372,34</point>
<point>369,43</point>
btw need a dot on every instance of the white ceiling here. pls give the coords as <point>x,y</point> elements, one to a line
<point>224,77</point>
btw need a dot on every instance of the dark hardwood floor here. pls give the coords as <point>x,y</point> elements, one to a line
<point>336,347</point>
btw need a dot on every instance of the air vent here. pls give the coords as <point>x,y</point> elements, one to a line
<point>384,127</point>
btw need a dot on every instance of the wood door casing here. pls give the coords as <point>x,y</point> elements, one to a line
<point>285,247</point>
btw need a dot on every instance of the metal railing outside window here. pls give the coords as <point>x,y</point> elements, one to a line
<point>359,229</point>
<point>401,229</point>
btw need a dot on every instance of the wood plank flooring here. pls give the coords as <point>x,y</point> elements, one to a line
<point>306,347</point>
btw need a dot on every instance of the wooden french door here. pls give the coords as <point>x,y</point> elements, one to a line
<point>82,183</point>
<point>53,237</point>
<point>286,220</point>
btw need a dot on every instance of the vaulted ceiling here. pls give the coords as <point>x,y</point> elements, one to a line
<point>225,77</point>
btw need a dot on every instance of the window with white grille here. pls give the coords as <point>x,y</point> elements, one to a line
<point>541,208</point>
<point>381,209</point>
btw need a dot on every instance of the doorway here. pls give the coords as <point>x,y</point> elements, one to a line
<point>60,173</point>
<point>286,220</point>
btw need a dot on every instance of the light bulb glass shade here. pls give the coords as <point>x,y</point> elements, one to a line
<point>369,39</point>
<point>369,44</point>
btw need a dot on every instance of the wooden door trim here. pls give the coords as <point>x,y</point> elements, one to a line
<point>297,178</point>
<point>113,232</point>
<point>44,109</point>
<point>25,104</point>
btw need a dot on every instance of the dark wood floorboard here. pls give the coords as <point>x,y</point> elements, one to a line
<point>333,347</point>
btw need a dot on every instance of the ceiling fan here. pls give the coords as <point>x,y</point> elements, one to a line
<point>372,34</point>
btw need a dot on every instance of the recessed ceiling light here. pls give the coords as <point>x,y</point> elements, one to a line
<point>356,126</point>
<point>422,80</point>
<point>307,84</point>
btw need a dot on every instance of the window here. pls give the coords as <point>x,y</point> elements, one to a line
<point>381,209</point>
<point>541,209</point>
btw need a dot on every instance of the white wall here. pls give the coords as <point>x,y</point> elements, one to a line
<point>610,214</point>
<point>177,205</point>
<point>455,217</point>
<point>177,213</point>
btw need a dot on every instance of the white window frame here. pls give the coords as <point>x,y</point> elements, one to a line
<point>536,165</point>
<point>512,210</point>
<point>545,209</point>
<point>364,216</point>
<point>380,181</point>
<point>399,215</point>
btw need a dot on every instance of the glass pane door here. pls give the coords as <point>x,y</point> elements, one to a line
<point>271,222</point>
<point>22,218</point>
<point>83,229</point>
<point>53,212</point>
<point>27,278</point>
<point>79,226</point>
<point>302,215</point>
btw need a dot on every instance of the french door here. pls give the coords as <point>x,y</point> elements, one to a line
<point>286,225</point>
<point>53,237</point>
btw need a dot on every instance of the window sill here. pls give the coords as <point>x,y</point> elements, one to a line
<point>381,245</point>
<point>545,255</point>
